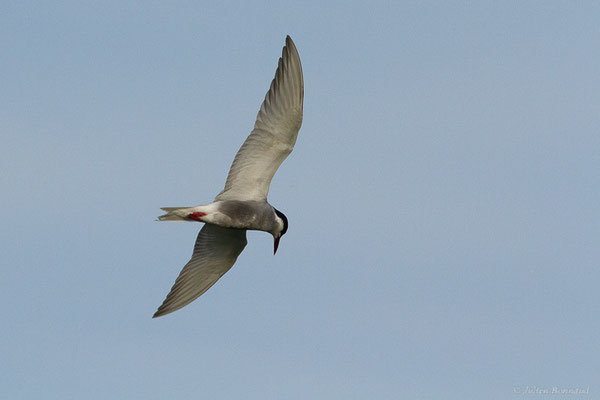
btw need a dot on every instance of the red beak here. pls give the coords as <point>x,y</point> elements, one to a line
<point>276,245</point>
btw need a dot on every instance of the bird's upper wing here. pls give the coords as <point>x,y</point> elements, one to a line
<point>215,253</point>
<point>274,133</point>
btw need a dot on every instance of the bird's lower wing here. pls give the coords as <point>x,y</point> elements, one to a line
<point>215,252</point>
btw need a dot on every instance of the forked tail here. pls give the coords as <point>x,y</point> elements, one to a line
<point>178,214</point>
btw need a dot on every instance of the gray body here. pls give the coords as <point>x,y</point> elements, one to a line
<point>248,214</point>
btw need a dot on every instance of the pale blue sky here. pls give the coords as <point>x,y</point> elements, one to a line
<point>443,199</point>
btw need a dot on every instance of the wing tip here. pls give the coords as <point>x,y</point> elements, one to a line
<point>165,309</point>
<point>292,59</point>
<point>289,41</point>
<point>289,44</point>
<point>160,312</point>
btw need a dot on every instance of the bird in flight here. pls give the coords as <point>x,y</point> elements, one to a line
<point>242,204</point>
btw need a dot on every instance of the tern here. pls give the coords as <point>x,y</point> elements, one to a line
<point>242,205</point>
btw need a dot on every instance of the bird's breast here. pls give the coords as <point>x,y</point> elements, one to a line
<point>253,215</point>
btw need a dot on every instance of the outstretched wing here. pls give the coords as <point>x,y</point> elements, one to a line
<point>274,133</point>
<point>215,253</point>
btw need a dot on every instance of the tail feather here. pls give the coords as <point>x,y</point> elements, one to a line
<point>178,214</point>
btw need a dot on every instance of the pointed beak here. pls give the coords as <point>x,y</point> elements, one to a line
<point>276,245</point>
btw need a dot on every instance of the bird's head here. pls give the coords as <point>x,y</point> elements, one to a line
<point>281,227</point>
